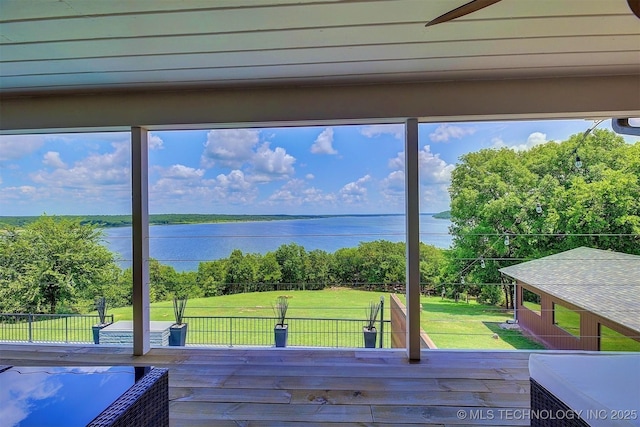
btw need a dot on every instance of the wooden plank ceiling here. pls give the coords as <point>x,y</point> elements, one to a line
<point>79,46</point>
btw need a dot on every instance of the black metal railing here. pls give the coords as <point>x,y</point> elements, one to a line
<point>303,331</point>
<point>202,330</point>
<point>48,328</point>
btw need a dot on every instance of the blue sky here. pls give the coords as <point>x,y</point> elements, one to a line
<point>304,170</point>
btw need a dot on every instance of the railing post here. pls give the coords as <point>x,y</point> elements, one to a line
<point>381,320</point>
<point>66,329</point>
<point>231,332</point>
<point>29,321</point>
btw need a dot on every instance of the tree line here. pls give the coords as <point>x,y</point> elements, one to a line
<point>108,221</point>
<point>59,265</point>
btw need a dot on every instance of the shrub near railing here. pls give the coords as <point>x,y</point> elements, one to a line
<point>50,328</point>
<point>258,331</point>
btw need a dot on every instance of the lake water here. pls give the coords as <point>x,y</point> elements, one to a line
<point>184,246</point>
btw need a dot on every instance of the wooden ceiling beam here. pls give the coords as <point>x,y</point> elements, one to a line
<point>579,97</point>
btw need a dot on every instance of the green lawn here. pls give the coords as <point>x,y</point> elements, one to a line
<point>611,340</point>
<point>566,319</point>
<point>453,324</point>
<point>536,308</point>
<point>235,327</point>
<point>327,304</point>
<point>449,324</point>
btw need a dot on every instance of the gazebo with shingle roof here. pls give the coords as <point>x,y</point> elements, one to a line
<point>603,287</point>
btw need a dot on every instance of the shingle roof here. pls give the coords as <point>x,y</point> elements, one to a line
<point>604,282</point>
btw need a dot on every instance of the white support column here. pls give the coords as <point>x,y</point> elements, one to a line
<point>140,239</point>
<point>412,212</point>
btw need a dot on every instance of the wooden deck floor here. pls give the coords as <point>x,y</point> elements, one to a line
<point>311,387</point>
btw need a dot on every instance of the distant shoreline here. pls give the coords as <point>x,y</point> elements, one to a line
<point>111,221</point>
<point>442,215</point>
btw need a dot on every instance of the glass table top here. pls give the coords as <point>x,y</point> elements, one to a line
<point>61,396</point>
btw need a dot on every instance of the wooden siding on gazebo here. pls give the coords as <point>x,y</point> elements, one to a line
<point>601,287</point>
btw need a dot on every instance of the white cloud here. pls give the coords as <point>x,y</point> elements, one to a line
<point>315,195</point>
<point>52,158</point>
<point>373,131</point>
<point>186,187</point>
<point>434,198</point>
<point>23,189</point>
<point>20,391</point>
<point>234,188</point>
<point>182,172</point>
<point>155,142</point>
<point>237,149</point>
<point>445,132</point>
<point>92,171</point>
<point>435,177</point>
<point>13,147</point>
<point>269,165</point>
<point>534,139</point>
<point>295,193</point>
<point>290,193</point>
<point>323,143</point>
<point>309,176</point>
<point>497,142</point>
<point>355,192</point>
<point>432,168</point>
<point>229,147</point>
<point>392,188</point>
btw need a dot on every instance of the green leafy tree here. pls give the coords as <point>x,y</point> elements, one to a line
<point>186,285</point>
<point>240,272</point>
<point>382,262</point>
<point>292,259</point>
<point>121,291</point>
<point>268,273</point>
<point>317,269</point>
<point>432,264</point>
<point>345,268</point>
<point>210,278</point>
<point>52,264</point>
<point>509,206</point>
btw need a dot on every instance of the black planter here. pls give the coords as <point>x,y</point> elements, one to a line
<point>178,335</point>
<point>281,333</point>
<point>369,337</point>
<point>96,331</point>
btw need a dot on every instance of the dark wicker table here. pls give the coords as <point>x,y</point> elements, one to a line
<point>543,399</point>
<point>85,396</point>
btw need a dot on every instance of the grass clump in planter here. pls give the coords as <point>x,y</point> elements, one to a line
<point>178,332</point>
<point>281,330</point>
<point>101,308</point>
<point>369,331</point>
<point>280,309</point>
<point>372,315</point>
<point>179,305</point>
